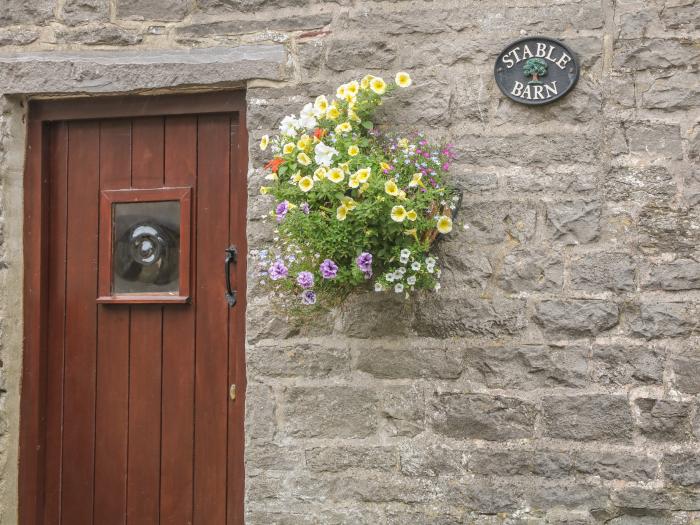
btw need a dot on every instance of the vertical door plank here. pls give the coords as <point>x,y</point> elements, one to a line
<point>112,353</point>
<point>56,296</point>
<point>81,324</point>
<point>211,369</point>
<point>237,375</point>
<point>178,350</point>
<point>143,475</point>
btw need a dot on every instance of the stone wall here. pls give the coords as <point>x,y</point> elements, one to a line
<point>555,377</point>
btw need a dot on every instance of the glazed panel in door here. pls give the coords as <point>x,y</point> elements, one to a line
<point>140,428</point>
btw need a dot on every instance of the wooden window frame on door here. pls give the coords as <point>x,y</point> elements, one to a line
<point>36,218</point>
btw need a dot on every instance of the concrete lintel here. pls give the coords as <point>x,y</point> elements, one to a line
<point>134,70</point>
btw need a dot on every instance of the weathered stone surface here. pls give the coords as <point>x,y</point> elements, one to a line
<point>477,416</point>
<point>344,55</point>
<point>603,272</point>
<point>653,140</point>
<point>663,229</point>
<point>311,358</point>
<point>470,268</point>
<point>22,12</point>
<point>640,184</point>
<point>165,10</point>
<point>682,469</point>
<point>391,315</point>
<point>624,365</point>
<point>556,179</point>
<point>686,370</point>
<point>80,11</point>
<point>338,459</point>
<point>569,494</point>
<point>631,497</point>
<point>483,495</point>
<point>269,456</point>
<point>17,36</point>
<point>402,410</point>
<point>227,6</point>
<point>673,91</point>
<point>422,358</point>
<point>576,318</point>
<point>344,412</point>
<point>527,367</point>
<point>574,221</point>
<point>496,222</point>
<point>681,274</point>
<point>431,461</point>
<point>654,53</point>
<point>508,463</point>
<point>241,26</point>
<point>587,417</point>
<point>260,411</point>
<point>531,270</point>
<point>664,320</point>
<point>100,36</point>
<point>616,465</point>
<point>664,420</point>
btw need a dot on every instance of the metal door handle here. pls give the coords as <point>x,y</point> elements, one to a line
<point>231,257</point>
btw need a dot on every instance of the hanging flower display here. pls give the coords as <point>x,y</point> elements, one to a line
<point>354,205</point>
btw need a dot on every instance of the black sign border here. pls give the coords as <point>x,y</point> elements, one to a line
<point>542,102</point>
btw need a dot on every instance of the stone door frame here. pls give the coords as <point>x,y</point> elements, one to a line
<point>25,76</point>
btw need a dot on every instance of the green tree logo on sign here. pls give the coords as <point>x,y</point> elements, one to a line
<point>535,68</point>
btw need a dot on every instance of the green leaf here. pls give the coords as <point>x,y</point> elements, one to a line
<point>367,124</point>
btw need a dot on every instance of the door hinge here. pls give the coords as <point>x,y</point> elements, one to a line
<point>232,392</point>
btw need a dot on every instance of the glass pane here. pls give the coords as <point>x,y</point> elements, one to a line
<point>146,247</point>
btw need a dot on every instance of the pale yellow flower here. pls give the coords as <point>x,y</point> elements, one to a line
<point>296,177</point>
<point>336,175</point>
<point>398,213</point>
<point>402,195</point>
<point>403,79</point>
<point>341,91</point>
<point>264,141</point>
<point>349,203</point>
<point>264,190</point>
<point>320,173</point>
<point>384,165</point>
<point>345,127</point>
<point>364,83</point>
<point>321,104</point>
<point>345,166</point>
<point>288,148</point>
<point>363,174</point>
<point>353,150</point>
<point>378,85</point>
<point>353,182</point>
<point>412,232</point>
<point>350,99</point>
<point>403,143</point>
<point>364,187</point>
<point>353,116</point>
<point>353,87</point>
<point>306,183</point>
<point>303,159</point>
<point>333,113</point>
<point>444,224</point>
<point>391,188</point>
<point>416,180</point>
<point>412,215</point>
<point>341,213</point>
<point>304,143</point>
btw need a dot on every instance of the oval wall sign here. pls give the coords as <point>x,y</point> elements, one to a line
<point>536,70</point>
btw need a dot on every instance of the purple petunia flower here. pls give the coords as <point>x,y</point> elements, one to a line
<point>278,270</point>
<point>305,279</point>
<point>328,269</point>
<point>364,262</point>
<point>304,207</point>
<point>281,211</point>
<point>308,297</point>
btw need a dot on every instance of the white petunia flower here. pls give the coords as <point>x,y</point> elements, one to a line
<point>390,277</point>
<point>401,270</point>
<point>415,266</point>
<point>437,287</point>
<point>378,287</point>
<point>398,288</point>
<point>324,154</point>
<point>289,125</point>
<point>307,117</point>
<point>405,252</point>
<point>411,280</point>
<point>430,261</point>
<point>430,268</point>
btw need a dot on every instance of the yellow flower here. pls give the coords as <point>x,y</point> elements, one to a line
<point>264,141</point>
<point>416,180</point>
<point>402,195</point>
<point>353,116</point>
<point>304,142</point>
<point>412,232</point>
<point>341,213</point>
<point>353,87</point>
<point>412,215</point>
<point>336,175</point>
<point>343,128</point>
<point>353,182</point>
<point>391,188</point>
<point>364,187</point>
<point>349,203</point>
<point>341,91</point>
<point>350,99</point>
<point>384,165</point>
<point>320,173</point>
<point>303,159</point>
<point>321,104</point>
<point>264,190</point>
<point>403,144</point>
<point>353,150</point>
<point>402,79</point>
<point>306,183</point>
<point>364,83</point>
<point>398,213</point>
<point>444,224</point>
<point>333,113</point>
<point>363,174</point>
<point>378,85</point>
<point>288,148</point>
<point>345,166</point>
<point>296,177</point>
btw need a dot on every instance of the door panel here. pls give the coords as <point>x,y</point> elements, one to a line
<point>139,425</point>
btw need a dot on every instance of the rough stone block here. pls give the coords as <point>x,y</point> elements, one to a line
<point>654,53</point>
<point>241,26</point>
<point>382,489</point>
<point>517,462</point>
<point>664,420</point>
<point>394,359</point>
<point>568,493</point>
<point>330,412</point>
<point>651,499</point>
<point>555,179</point>
<point>479,416</point>
<point>427,106</point>
<point>620,365</point>
<point>17,36</point>
<point>437,460</point>
<point>391,315</point>
<point>308,358</point>
<point>639,184</point>
<point>681,274</point>
<point>587,417</point>
<point>574,221</point>
<point>338,459</point>
<point>527,367</point>
<point>402,410</point>
<point>629,466</point>
<point>108,35</point>
<point>664,320</point>
<point>654,140</point>
<point>686,370</point>
<point>160,10</point>
<point>229,6</point>
<point>601,272</point>
<point>528,270</point>
<point>81,11</point>
<point>663,229</point>
<point>482,495</point>
<point>576,318</point>
<point>260,412</point>
<point>348,54</point>
<point>675,90</point>
<point>682,469</point>
<point>34,12</point>
<point>269,456</point>
<point>468,268</point>
<point>497,222</point>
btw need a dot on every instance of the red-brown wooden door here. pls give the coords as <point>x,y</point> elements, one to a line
<point>139,425</point>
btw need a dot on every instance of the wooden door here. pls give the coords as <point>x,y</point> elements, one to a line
<point>136,424</point>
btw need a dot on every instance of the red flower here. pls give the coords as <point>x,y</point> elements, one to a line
<point>274,164</point>
<point>319,133</point>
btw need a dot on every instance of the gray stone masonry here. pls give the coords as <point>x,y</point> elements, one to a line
<point>555,377</point>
